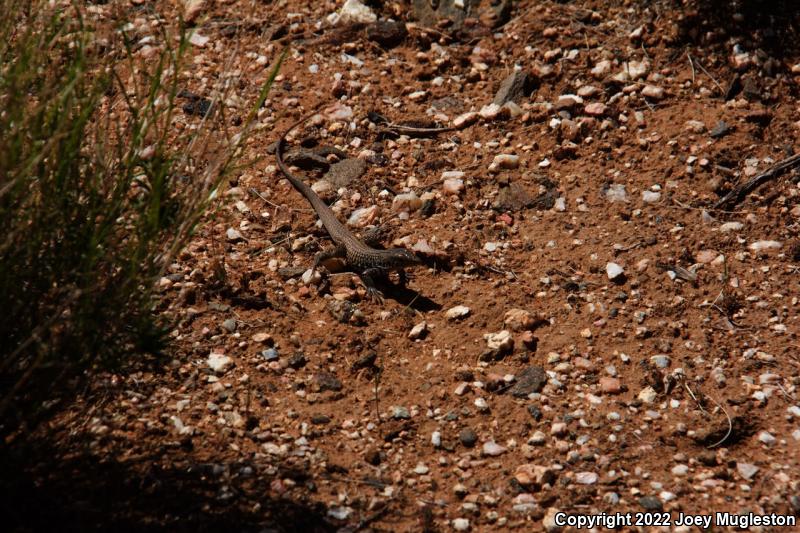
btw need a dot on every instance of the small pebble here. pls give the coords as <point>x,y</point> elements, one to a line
<point>468,437</point>
<point>504,162</point>
<point>651,91</point>
<point>731,226</point>
<point>233,235</point>
<point>270,354</point>
<point>481,404</point>
<point>661,360</point>
<point>763,246</point>
<point>400,413</point>
<point>419,331</point>
<point>651,503</point>
<point>596,109</point>
<point>459,311</point>
<point>746,470</point>
<point>453,186</point>
<point>219,363</point>
<point>766,437</point>
<point>465,119</point>
<point>694,126</point>
<point>680,470</point>
<point>706,256</point>
<point>648,395</point>
<point>610,385</point>
<point>651,197</point>
<point>614,271</point>
<point>492,449</point>
<point>460,524</point>
<point>501,341</point>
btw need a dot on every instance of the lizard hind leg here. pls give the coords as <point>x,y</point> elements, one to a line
<point>329,253</point>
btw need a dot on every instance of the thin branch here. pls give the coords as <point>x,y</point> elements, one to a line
<point>730,424</point>
<point>740,192</point>
<point>719,87</point>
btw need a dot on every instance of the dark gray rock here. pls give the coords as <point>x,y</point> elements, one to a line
<point>720,130</point>
<point>388,34</point>
<point>468,437</point>
<point>515,197</point>
<point>429,13</point>
<point>515,88</point>
<point>298,360</point>
<point>651,503</point>
<point>491,12</point>
<point>341,310</point>
<point>327,381</point>
<point>270,354</point>
<point>345,172</point>
<point>320,419</point>
<point>531,380</point>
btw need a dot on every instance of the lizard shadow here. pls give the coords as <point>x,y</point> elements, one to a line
<point>404,295</point>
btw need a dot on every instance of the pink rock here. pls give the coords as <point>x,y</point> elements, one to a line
<point>706,256</point>
<point>610,385</point>
<point>506,218</point>
<point>651,91</point>
<point>596,109</point>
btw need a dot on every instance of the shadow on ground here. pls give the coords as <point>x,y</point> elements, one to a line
<point>773,25</point>
<point>43,490</point>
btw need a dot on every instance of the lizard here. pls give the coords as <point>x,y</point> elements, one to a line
<point>368,262</point>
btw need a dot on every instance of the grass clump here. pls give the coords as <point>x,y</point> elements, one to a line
<point>97,195</point>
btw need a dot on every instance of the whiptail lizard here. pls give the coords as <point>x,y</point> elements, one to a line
<point>368,262</point>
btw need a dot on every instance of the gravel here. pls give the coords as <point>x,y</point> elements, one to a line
<point>512,374</point>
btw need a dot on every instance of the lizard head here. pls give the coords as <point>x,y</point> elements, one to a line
<point>403,257</point>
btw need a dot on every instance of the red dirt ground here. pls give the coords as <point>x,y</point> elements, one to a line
<point>355,425</point>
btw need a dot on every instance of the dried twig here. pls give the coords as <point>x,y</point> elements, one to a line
<point>364,522</point>
<point>685,386</point>
<point>738,193</point>
<point>503,272</point>
<point>700,406</point>
<point>368,482</point>
<point>730,424</point>
<point>413,130</point>
<point>719,87</point>
<point>414,299</point>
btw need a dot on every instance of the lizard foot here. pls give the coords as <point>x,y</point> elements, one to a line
<point>375,295</point>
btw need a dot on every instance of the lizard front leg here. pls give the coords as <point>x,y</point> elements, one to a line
<point>368,277</point>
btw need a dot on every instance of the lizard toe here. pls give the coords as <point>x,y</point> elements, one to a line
<point>375,295</point>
